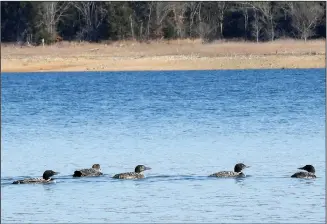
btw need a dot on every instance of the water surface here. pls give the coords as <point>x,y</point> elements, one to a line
<point>185,125</point>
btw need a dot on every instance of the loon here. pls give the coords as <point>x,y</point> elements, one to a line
<point>45,179</point>
<point>236,173</point>
<point>310,174</point>
<point>91,172</point>
<point>137,174</point>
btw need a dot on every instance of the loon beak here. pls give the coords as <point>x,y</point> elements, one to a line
<point>55,173</point>
<point>301,168</point>
<point>247,166</point>
<point>147,168</point>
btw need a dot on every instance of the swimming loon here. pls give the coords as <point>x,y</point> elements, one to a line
<point>310,174</point>
<point>45,179</point>
<point>138,174</point>
<point>91,172</point>
<point>236,173</point>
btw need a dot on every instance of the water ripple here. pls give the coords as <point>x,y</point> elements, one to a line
<point>185,125</point>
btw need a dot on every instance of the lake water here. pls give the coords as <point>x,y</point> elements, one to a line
<point>185,125</point>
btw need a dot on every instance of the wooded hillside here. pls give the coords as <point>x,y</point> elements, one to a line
<point>31,22</point>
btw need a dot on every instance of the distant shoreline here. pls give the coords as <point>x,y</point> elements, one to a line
<point>164,55</point>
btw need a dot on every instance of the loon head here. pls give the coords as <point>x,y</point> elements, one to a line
<point>141,168</point>
<point>96,166</point>
<point>308,168</point>
<point>49,173</point>
<point>239,167</point>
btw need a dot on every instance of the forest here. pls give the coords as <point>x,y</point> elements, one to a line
<point>95,21</point>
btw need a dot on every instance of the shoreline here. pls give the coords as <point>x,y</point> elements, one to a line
<point>163,56</point>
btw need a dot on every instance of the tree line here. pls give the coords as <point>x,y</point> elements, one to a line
<point>142,21</point>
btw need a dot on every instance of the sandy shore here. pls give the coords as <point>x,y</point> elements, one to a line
<point>172,55</point>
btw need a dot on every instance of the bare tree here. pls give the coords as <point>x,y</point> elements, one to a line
<point>222,7</point>
<point>267,16</point>
<point>150,9</point>
<point>204,30</point>
<point>161,9</point>
<point>256,24</point>
<point>208,21</point>
<point>245,10</point>
<point>305,16</point>
<point>132,26</point>
<point>194,8</point>
<point>212,20</point>
<point>93,14</point>
<point>51,13</point>
<point>179,9</point>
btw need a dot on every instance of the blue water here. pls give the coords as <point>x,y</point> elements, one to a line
<point>185,125</point>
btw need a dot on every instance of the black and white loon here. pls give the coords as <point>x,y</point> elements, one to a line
<point>236,173</point>
<point>46,178</point>
<point>91,172</point>
<point>310,174</point>
<point>137,174</point>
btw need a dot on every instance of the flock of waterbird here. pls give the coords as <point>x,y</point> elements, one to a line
<point>139,169</point>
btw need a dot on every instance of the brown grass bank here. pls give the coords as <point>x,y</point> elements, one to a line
<point>164,55</point>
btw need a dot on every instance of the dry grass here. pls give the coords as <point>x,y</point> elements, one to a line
<point>164,55</point>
